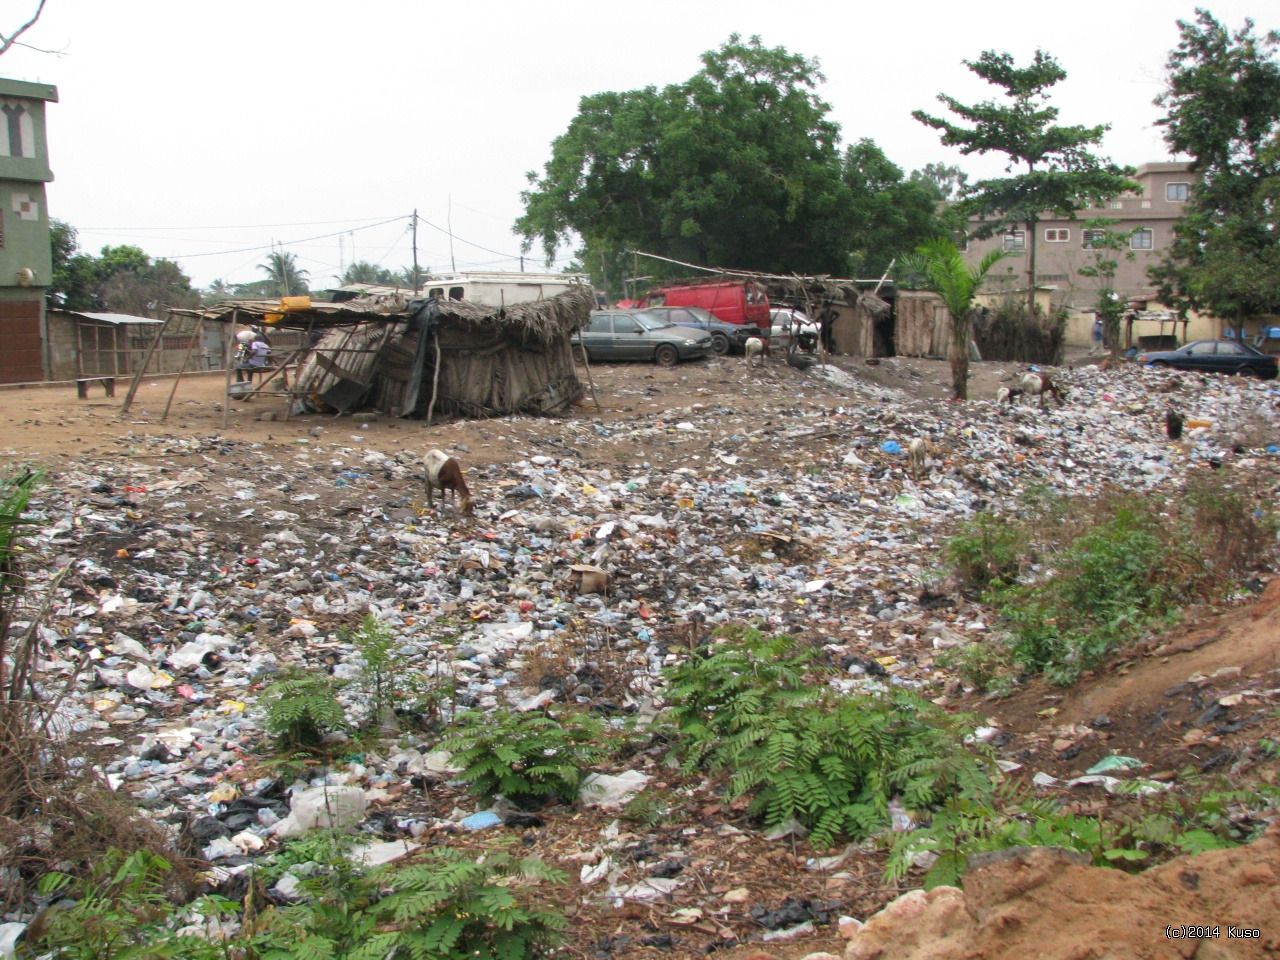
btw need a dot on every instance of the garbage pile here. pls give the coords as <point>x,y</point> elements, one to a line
<point>200,570</point>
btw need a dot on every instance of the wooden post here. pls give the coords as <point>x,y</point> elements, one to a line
<point>231,343</point>
<point>435,379</point>
<point>586,362</point>
<point>146,362</point>
<point>186,357</point>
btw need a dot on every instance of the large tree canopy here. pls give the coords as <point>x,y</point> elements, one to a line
<point>123,279</point>
<point>740,166</point>
<point>1223,103</point>
<point>1061,173</point>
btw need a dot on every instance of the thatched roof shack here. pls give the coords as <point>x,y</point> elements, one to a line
<point>420,357</point>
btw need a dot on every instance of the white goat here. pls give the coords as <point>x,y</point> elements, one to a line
<point>756,347</point>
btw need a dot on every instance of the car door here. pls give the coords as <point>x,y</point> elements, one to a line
<point>1200,356</point>
<point>1230,357</point>
<point>598,337</point>
<point>629,341</point>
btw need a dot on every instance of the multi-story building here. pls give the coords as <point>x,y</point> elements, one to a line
<point>1146,217</point>
<point>25,259</point>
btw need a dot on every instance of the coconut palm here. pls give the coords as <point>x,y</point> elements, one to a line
<point>946,273</point>
<point>282,269</point>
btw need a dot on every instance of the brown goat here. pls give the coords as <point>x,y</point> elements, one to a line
<point>444,473</point>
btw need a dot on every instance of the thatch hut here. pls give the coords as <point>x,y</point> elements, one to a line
<point>453,357</point>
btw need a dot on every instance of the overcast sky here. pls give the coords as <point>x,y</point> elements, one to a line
<point>204,131</point>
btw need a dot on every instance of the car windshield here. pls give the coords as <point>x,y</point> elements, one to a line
<point>652,321</point>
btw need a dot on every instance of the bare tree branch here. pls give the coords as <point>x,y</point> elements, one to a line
<point>7,42</point>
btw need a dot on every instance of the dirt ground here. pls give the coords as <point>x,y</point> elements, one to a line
<point>1146,705</point>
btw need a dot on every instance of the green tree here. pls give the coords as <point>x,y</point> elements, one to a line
<point>286,279</point>
<point>947,182</point>
<point>1061,174</point>
<point>122,279</point>
<point>1106,247</point>
<point>943,267</point>
<point>1223,103</point>
<point>890,215</point>
<point>362,271</point>
<point>739,166</point>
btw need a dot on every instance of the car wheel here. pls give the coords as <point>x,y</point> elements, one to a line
<point>1247,372</point>
<point>1160,364</point>
<point>720,344</point>
<point>666,355</point>
<point>580,354</point>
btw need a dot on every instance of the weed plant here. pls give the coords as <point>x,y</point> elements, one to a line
<point>525,757</point>
<point>302,709</point>
<point>759,707</point>
<point>1075,580</point>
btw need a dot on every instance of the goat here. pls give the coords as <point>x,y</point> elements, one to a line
<point>1008,394</point>
<point>1173,424</point>
<point>444,473</point>
<point>918,451</point>
<point>1039,384</point>
<point>756,347</point>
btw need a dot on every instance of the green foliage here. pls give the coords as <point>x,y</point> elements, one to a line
<point>445,905</point>
<point>739,166</point>
<point>302,708</point>
<point>123,911</point>
<point>1223,96</point>
<point>526,757</point>
<point>1107,246</point>
<point>944,270</point>
<point>285,277</point>
<point>379,677</point>
<point>802,752</point>
<point>1119,563</point>
<point>123,279</point>
<point>1193,819</point>
<point>1062,174</point>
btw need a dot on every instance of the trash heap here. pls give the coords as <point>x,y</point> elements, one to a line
<point>199,570</point>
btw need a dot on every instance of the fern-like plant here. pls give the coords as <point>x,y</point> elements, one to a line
<point>526,757</point>
<point>301,709</point>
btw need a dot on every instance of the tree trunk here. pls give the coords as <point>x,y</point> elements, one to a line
<point>960,336</point>
<point>1031,265</point>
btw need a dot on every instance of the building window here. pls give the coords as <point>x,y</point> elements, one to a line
<point>1057,235</point>
<point>1116,205</point>
<point>17,135</point>
<point>1015,241</point>
<point>1176,192</point>
<point>1146,204</point>
<point>1091,237</point>
<point>1141,239</point>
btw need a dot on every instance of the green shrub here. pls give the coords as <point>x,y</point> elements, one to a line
<point>803,752</point>
<point>302,709</point>
<point>122,910</point>
<point>526,757</point>
<point>1110,567</point>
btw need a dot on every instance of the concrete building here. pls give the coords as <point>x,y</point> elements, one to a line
<point>25,260</point>
<point>1062,249</point>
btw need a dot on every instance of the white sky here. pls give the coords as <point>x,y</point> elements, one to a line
<point>205,131</point>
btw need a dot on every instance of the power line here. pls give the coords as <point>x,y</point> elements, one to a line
<point>243,226</point>
<point>268,246</point>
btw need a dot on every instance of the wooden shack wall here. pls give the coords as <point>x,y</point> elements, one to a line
<point>922,327</point>
<point>852,331</point>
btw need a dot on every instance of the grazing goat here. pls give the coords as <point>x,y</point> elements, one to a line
<point>918,451</point>
<point>444,474</point>
<point>1039,384</point>
<point>1008,394</point>
<point>756,347</point>
<point>1173,424</point>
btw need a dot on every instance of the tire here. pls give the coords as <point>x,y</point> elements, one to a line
<point>580,355</point>
<point>1160,364</point>
<point>666,355</point>
<point>1248,373</point>
<point>720,345</point>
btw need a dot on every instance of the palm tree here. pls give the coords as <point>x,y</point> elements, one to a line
<point>282,268</point>
<point>362,271</point>
<point>942,265</point>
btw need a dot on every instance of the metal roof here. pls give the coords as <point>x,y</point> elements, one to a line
<point>116,318</point>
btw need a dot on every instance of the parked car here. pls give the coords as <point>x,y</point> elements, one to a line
<point>640,335</point>
<point>725,337</point>
<point>788,322</point>
<point>732,301</point>
<point>1214,356</point>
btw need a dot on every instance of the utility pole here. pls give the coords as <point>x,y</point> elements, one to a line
<point>416,283</point>
<point>453,265</point>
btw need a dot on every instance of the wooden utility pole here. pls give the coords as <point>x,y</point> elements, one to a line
<point>417,285</point>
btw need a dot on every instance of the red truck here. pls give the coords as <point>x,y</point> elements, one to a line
<point>731,301</point>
